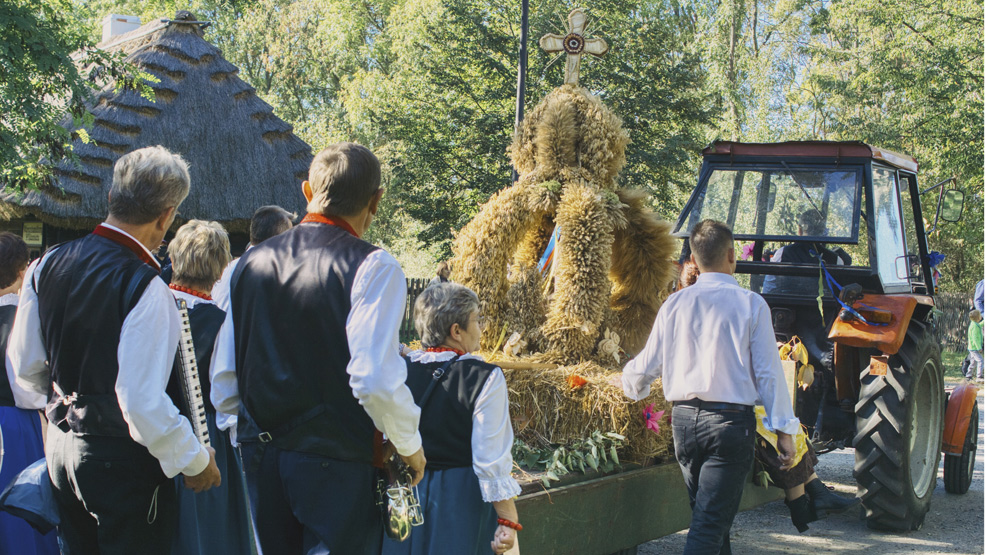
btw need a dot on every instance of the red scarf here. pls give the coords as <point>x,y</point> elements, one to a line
<point>190,291</point>
<point>127,241</point>
<point>445,350</point>
<point>329,220</point>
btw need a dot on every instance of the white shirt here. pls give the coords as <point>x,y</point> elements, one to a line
<point>220,291</point>
<point>145,355</point>
<point>714,341</point>
<point>23,398</point>
<point>376,371</point>
<point>220,296</point>
<point>492,432</point>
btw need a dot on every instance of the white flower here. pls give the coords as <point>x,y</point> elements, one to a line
<point>610,345</point>
<point>514,345</point>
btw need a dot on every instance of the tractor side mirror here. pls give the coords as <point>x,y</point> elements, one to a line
<point>951,205</point>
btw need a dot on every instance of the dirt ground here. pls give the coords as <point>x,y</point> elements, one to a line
<point>953,525</point>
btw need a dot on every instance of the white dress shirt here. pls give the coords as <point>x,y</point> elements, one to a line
<point>492,432</point>
<point>23,398</point>
<point>220,296</point>
<point>376,372</point>
<point>145,355</point>
<point>714,341</point>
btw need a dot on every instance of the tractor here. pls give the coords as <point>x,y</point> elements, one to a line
<point>833,236</point>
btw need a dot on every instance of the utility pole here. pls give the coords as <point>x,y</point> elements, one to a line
<point>521,72</point>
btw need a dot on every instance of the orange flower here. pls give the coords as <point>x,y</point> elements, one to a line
<point>576,382</point>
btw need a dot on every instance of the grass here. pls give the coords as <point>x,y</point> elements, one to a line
<point>952,363</point>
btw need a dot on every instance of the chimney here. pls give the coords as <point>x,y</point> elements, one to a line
<point>115,24</point>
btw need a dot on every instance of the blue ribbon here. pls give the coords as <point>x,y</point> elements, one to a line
<point>835,288</point>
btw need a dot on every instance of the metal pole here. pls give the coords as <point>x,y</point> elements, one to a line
<point>521,72</point>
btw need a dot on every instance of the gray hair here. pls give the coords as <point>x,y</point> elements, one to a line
<point>146,182</point>
<point>438,307</point>
<point>199,253</point>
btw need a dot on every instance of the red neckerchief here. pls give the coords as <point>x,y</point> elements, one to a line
<point>445,350</point>
<point>329,220</point>
<point>130,243</point>
<point>190,291</point>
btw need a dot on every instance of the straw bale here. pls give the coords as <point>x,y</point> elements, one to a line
<point>642,270</point>
<point>581,291</point>
<point>547,410</point>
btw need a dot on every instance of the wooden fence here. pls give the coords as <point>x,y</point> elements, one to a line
<point>952,320</point>
<point>414,287</point>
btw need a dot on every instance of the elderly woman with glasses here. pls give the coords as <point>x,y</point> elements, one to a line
<point>215,521</point>
<point>467,491</point>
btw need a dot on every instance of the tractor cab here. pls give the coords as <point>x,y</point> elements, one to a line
<point>800,209</point>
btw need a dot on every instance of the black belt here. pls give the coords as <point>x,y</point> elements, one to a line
<point>712,405</point>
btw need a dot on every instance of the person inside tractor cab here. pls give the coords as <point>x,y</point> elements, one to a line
<point>810,224</point>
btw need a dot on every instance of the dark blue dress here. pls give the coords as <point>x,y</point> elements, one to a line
<point>216,521</point>
<point>22,446</point>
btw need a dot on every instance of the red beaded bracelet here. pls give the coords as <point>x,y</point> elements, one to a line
<point>509,524</point>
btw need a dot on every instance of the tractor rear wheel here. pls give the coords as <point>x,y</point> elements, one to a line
<point>958,468</point>
<point>899,422</point>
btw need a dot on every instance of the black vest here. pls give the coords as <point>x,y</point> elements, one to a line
<point>446,417</point>
<point>290,298</point>
<point>205,319</point>
<point>85,291</point>
<point>7,314</point>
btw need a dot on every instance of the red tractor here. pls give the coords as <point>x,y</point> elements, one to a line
<point>833,236</point>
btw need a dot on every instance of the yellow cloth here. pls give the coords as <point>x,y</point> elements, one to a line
<point>800,440</point>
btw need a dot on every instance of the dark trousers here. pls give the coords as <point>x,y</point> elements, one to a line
<point>304,503</point>
<point>112,496</point>
<point>715,452</point>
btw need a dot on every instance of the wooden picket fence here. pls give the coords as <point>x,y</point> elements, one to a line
<point>414,287</point>
<point>952,320</point>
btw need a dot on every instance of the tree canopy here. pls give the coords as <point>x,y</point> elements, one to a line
<point>430,85</point>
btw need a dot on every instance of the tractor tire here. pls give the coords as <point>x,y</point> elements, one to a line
<point>958,468</point>
<point>899,424</point>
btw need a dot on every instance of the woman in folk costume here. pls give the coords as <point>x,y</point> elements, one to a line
<point>467,491</point>
<point>215,521</point>
<point>20,421</point>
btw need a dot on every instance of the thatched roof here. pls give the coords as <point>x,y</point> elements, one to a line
<point>241,156</point>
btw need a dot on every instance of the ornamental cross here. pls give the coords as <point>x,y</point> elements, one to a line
<point>573,44</point>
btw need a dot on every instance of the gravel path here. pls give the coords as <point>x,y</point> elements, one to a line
<point>953,525</point>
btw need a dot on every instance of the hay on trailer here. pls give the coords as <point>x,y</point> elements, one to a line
<point>552,406</point>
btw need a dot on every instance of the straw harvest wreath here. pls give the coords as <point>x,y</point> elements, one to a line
<point>570,270</point>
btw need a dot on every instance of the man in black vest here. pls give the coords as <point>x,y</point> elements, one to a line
<point>309,353</point>
<point>97,331</point>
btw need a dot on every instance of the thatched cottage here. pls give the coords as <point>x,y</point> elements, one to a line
<point>241,156</point>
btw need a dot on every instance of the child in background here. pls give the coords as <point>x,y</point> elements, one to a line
<point>975,345</point>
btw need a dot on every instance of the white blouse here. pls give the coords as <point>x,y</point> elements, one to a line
<point>492,432</point>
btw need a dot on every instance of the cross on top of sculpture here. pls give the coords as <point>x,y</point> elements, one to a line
<point>574,44</point>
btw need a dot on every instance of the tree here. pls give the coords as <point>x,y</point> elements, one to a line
<point>43,83</point>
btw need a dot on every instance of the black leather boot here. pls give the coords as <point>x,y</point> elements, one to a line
<point>826,502</point>
<point>802,512</point>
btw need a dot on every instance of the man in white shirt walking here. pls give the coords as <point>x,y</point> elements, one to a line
<point>98,329</point>
<point>713,346</point>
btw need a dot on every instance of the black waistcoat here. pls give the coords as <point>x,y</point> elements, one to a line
<point>446,417</point>
<point>205,319</point>
<point>85,291</point>
<point>290,299</point>
<point>6,322</point>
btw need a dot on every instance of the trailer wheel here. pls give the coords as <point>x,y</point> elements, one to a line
<point>958,468</point>
<point>899,423</point>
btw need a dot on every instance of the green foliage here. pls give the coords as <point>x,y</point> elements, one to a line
<point>44,87</point>
<point>598,452</point>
